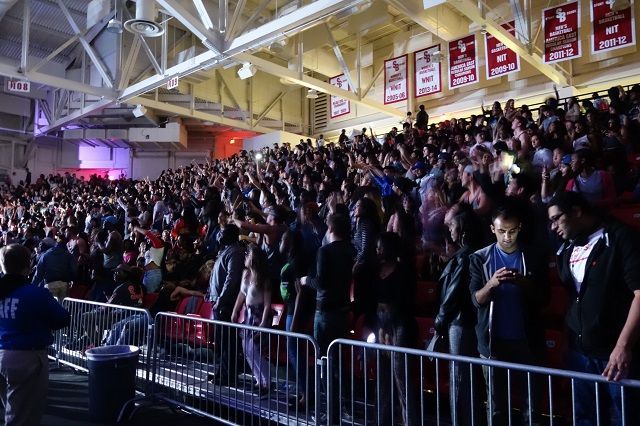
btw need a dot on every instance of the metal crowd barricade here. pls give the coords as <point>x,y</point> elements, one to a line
<point>95,324</point>
<point>380,384</point>
<point>211,368</point>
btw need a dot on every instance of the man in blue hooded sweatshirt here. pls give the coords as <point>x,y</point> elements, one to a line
<point>28,314</point>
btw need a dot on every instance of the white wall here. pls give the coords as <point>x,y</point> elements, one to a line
<point>268,139</point>
<point>151,163</point>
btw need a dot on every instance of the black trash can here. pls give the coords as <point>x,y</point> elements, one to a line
<point>112,380</point>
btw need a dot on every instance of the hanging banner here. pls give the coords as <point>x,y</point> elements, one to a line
<point>500,59</point>
<point>395,80</point>
<point>561,37</point>
<point>339,106</point>
<point>611,29</point>
<point>428,73</point>
<point>463,62</point>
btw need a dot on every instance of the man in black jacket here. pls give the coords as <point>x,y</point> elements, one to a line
<point>599,263</point>
<point>509,295</point>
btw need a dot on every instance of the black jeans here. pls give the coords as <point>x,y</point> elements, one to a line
<point>327,327</point>
<point>227,347</point>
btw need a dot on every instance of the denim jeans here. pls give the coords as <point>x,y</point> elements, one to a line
<point>464,408</point>
<point>610,396</point>
<point>152,280</point>
<point>128,331</point>
<point>297,355</point>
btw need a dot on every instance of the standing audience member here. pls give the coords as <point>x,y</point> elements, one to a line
<point>255,298</point>
<point>598,263</point>
<point>30,314</point>
<point>56,269</point>
<point>396,327</point>
<point>456,317</point>
<point>332,280</point>
<point>509,294</point>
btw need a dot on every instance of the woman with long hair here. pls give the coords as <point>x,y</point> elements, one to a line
<point>367,228</point>
<point>456,316</point>
<point>255,296</point>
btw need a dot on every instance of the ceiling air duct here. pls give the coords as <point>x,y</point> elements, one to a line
<point>144,23</point>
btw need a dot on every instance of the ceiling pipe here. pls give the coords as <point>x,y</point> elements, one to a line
<point>5,5</point>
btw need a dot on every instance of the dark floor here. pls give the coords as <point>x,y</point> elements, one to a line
<point>68,404</point>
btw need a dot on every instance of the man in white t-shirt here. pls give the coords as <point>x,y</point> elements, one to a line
<point>599,265</point>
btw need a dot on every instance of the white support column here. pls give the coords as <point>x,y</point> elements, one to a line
<point>26,22</point>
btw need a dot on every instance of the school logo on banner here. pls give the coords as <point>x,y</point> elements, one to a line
<point>561,34</point>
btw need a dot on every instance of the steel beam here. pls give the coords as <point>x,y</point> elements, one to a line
<point>176,9</point>
<point>290,24</point>
<point>269,108</point>
<point>341,61</point>
<point>445,24</point>
<point>470,10</point>
<point>78,114</point>
<point>87,47</point>
<point>186,112</point>
<point>12,71</point>
<point>313,83</point>
<point>261,8</point>
<point>129,63</point>
<point>234,20</point>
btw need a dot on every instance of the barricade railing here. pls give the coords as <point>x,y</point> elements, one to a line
<point>234,373</point>
<point>370,383</point>
<point>95,324</point>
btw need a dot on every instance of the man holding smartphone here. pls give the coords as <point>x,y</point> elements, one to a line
<point>509,294</point>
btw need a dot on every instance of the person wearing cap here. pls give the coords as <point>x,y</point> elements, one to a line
<point>153,256</point>
<point>27,317</point>
<point>56,268</point>
<point>419,173</point>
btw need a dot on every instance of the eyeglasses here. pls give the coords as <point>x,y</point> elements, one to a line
<point>554,219</point>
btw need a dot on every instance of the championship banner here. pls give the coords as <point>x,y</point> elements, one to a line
<point>611,30</point>
<point>395,80</point>
<point>500,59</point>
<point>339,106</point>
<point>428,73</point>
<point>463,62</point>
<point>560,29</point>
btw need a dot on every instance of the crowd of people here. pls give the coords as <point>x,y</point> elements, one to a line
<point>333,229</point>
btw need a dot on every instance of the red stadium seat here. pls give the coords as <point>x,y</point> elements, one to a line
<point>628,214</point>
<point>149,299</point>
<point>78,292</point>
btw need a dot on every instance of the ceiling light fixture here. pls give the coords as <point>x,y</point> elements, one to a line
<point>247,71</point>
<point>312,94</point>
<point>204,16</point>
<point>139,111</point>
<point>115,25</point>
<point>144,22</point>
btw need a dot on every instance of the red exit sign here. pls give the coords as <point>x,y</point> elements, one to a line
<point>18,86</point>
